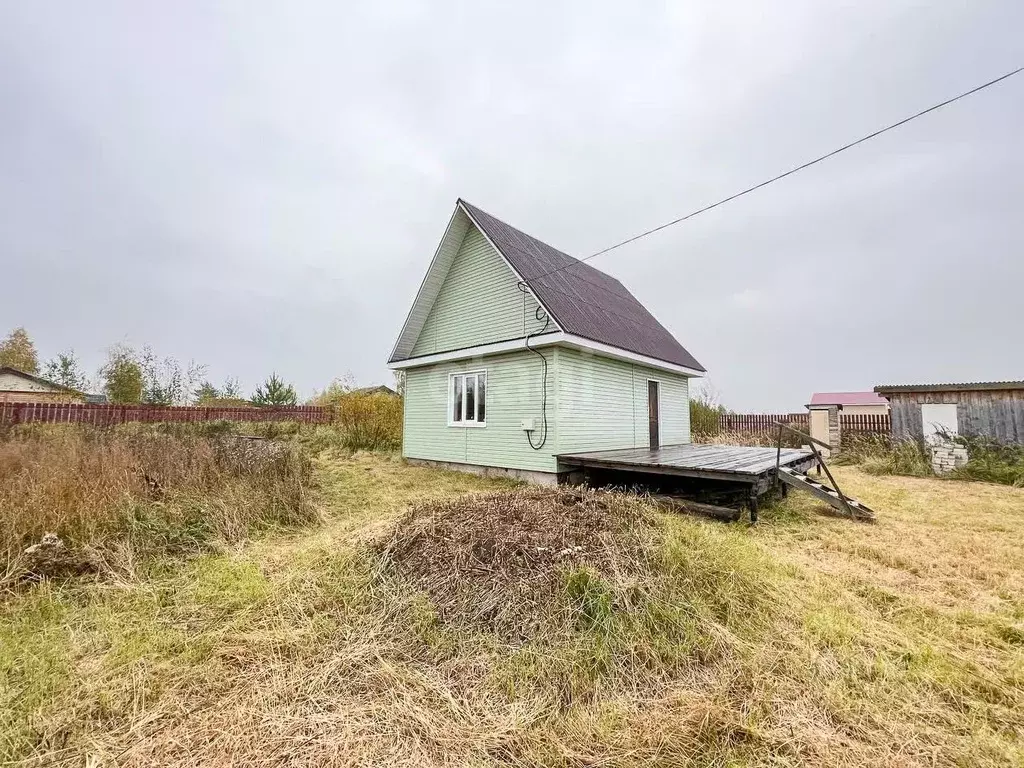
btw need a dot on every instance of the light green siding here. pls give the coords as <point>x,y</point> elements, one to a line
<point>478,303</point>
<point>594,403</point>
<point>674,426</point>
<point>513,393</point>
<point>602,403</point>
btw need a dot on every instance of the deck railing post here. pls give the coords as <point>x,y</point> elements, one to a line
<point>821,464</point>
<point>778,456</point>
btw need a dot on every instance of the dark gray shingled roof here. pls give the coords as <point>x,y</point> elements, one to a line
<point>583,300</point>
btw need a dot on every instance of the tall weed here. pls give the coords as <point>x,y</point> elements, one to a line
<point>140,487</point>
<point>878,454</point>
<point>991,461</point>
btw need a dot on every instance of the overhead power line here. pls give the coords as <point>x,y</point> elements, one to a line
<point>790,172</point>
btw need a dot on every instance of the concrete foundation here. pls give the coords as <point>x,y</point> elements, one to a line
<point>525,475</point>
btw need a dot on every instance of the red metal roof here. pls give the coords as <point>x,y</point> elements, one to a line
<point>847,398</point>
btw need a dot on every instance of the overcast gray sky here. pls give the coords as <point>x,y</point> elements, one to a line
<point>260,186</point>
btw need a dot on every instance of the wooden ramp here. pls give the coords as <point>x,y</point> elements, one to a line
<point>844,504</point>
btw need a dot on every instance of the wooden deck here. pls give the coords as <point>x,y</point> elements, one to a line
<point>736,463</point>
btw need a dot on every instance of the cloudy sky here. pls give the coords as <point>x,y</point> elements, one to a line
<point>260,186</point>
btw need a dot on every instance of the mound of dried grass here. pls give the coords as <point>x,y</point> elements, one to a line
<point>507,561</point>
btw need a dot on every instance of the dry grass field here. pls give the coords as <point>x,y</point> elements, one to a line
<point>807,640</point>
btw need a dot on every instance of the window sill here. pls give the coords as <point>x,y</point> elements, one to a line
<point>467,425</point>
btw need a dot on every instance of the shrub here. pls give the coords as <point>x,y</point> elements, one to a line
<point>370,421</point>
<point>704,417</point>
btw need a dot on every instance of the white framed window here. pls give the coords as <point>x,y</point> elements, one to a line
<point>467,399</point>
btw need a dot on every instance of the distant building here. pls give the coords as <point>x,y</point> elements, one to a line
<point>992,409</point>
<point>380,389</point>
<point>850,403</point>
<point>20,387</point>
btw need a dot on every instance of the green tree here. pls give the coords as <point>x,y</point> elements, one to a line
<point>122,376</point>
<point>18,351</point>
<point>231,389</point>
<point>65,370</point>
<point>274,392</point>
<point>207,394</point>
<point>164,381</point>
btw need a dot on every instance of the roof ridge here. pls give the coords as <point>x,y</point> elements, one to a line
<point>551,287</point>
<point>586,301</point>
<point>577,262</point>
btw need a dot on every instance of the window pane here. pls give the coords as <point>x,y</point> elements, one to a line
<point>457,398</point>
<point>481,397</point>
<point>471,398</point>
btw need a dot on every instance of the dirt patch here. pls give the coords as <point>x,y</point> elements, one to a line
<point>502,560</point>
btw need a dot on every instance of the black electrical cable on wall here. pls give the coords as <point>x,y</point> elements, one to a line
<point>544,377</point>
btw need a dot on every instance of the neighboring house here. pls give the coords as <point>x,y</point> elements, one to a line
<point>988,409</point>
<point>865,403</point>
<point>380,389</point>
<point>851,403</point>
<point>515,352</point>
<point>20,387</point>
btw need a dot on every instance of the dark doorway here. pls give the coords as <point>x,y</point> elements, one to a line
<point>653,412</point>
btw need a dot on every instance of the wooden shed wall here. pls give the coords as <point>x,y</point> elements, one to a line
<point>993,413</point>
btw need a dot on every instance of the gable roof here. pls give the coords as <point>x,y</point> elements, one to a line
<point>37,379</point>
<point>580,300</point>
<point>847,398</point>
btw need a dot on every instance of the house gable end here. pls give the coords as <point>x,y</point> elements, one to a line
<point>469,297</point>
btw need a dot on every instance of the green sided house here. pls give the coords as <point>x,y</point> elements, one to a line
<point>514,353</point>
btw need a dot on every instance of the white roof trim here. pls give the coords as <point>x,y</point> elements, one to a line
<point>545,340</point>
<point>422,291</point>
<point>608,350</point>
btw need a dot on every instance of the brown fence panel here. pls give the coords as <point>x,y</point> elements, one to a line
<point>865,422</point>
<point>106,414</point>
<point>759,422</point>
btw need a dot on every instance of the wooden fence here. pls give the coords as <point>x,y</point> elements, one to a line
<point>864,423</point>
<point>761,422</point>
<point>107,415</point>
<point>764,422</point>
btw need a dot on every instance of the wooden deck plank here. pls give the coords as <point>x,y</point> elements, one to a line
<point>736,457</point>
<point>691,460</point>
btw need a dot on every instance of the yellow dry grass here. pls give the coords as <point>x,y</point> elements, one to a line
<point>805,641</point>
